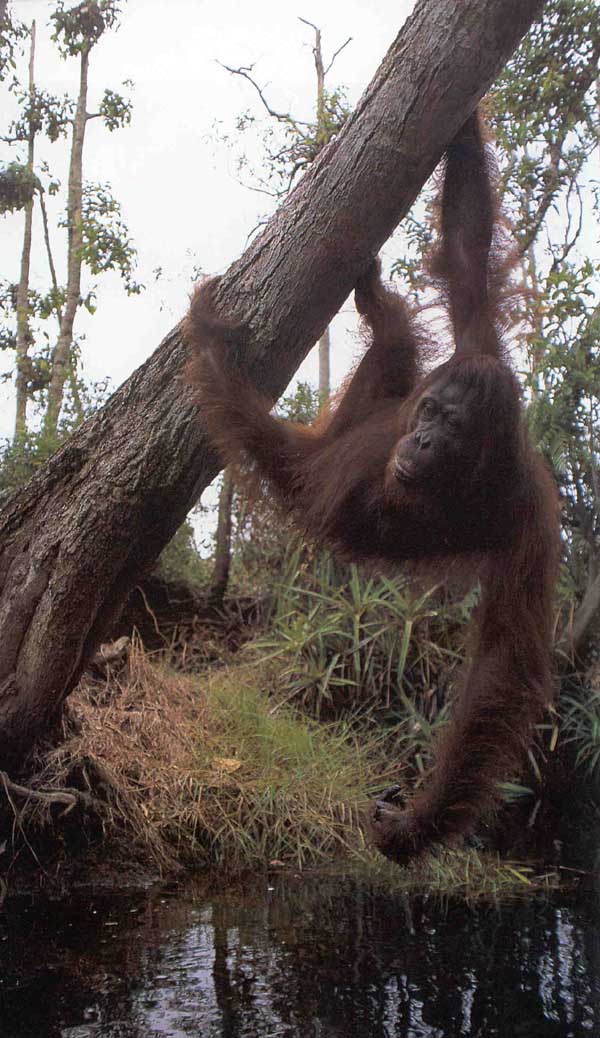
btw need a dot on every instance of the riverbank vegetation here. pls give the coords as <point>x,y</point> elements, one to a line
<point>161,771</point>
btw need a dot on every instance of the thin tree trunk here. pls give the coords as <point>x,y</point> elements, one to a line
<point>61,355</point>
<point>584,616</point>
<point>77,538</point>
<point>23,340</point>
<point>320,70</point>
<point>324,366</point>
<point>51,266</point>
<point>325,340</point>
<point>220,574</point>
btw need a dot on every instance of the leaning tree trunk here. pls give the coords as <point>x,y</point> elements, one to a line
<point>76,539</point>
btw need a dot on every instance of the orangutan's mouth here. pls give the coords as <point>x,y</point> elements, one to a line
<point>404,472</point>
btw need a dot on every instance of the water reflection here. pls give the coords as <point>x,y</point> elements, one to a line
<point>299,957</point>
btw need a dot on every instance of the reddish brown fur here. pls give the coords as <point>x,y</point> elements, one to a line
<point>498,505</point>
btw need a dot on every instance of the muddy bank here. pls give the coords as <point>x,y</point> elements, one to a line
<point>162,773</point>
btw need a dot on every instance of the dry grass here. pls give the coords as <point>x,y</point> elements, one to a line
<point>132,744</point>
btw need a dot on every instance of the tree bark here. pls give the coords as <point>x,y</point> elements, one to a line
<point>77,538</point>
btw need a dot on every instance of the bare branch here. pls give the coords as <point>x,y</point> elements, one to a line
<point>318,35</point>
<point>311,24</point>
<point>338,51</point>
<point>569,243</point>
<point>258,190</point>
<point>244,72</point>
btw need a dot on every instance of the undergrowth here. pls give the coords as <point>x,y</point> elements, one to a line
<point>195,771</point>
<point>343,639</point>
<point>579,708</point>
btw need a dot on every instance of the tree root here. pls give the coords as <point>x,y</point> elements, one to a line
<point>69,797</point>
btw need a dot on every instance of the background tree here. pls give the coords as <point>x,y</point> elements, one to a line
<point>7,40</point>
<point>77,30</point>
<point>288,145</point>
<point>547,121</point>
<point>97,238</point>
<point>23,338</point>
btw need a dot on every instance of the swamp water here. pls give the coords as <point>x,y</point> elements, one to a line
<point>299,957</point>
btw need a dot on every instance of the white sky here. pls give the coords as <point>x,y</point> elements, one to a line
<point>177,184</point>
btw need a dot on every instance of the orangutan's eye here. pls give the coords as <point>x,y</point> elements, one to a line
<point>427,407</point>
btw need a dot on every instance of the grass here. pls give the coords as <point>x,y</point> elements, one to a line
<point>279,786</point>
<point>195,771</point>
<point>467,873</point>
